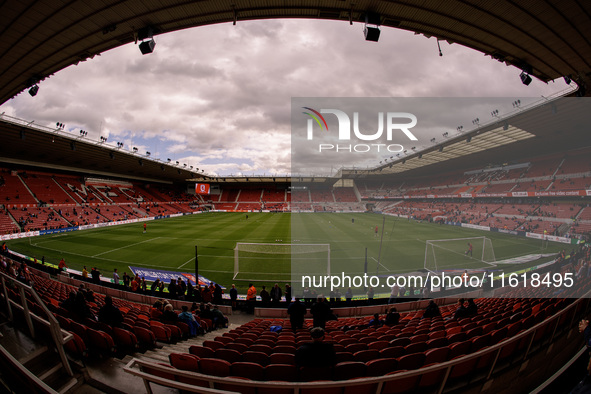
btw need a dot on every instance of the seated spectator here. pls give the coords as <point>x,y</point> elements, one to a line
<point>81,309</point>
<point>156,310</point>
<point>219,320</point>
<point>472,308</point>
<point>169,315</point>
<point>462,311</point>
<point>432,310</point>
<point>68,303</point>
<point>187,317</point>
<point>393,317</point>
<point>110,314</point>
<point>317,353</point>
<point>375,322</point>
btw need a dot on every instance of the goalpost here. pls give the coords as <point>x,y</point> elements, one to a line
<point>455,253</point>
<point>273,261</point>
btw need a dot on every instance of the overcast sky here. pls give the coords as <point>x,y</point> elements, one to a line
<point>219,97</point>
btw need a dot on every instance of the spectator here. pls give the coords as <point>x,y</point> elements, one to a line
<point>84,270</point>
<point>187,317</point>
<point>287,293</point>
<point>320,312</point>
<point>376,322</point>
<point>169,315</point>
<point>348,296</point>
<point>297,312</point>
<point>189,290</point>
<point>115,276</point>
<point>206,295</point>
<point>393,317</point>
<point>461,312</point>
<point>144,285</point>
<point>316,354</point>
<point>370,294</point>
<point>276,294</point>
<point>472,308</point>
<point>172,289</point>
<point>156,310</point>
<point>81,310</point>
<point>219,320</point>
<point>393,294</point>
<point>217,294</point>
<point>110,314</point>
<point>62,265</point>
<point>96,275</point>
<point>585,329</point>
<point>126,281</point>
<point>181,288</point>
<point>135,285</point>
<point>432,310</point>
<point>233,296</point>
<point>265,296</point>
<point>251,296</point>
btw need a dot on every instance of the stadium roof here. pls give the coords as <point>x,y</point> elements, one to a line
<point>37,39</point>
<point>27,144</point>
<point>552,127</point>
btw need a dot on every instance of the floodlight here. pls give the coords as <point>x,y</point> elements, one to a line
<point>34,89</point>
<point>147,47</point>
<point>525,78</point>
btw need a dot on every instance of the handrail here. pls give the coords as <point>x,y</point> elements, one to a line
<point>60,337</point>
<point>24,371</point>
<point>296,386</point>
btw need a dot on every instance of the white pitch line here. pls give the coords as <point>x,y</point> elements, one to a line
<point>126,246</point>
<point>186,262</point>
<point>386,268</point>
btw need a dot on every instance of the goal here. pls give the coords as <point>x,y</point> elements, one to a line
<point>276,261</point>
<point>455,254</point>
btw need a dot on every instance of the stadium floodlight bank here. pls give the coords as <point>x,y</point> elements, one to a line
<point>273,261</point>
<point>459,253</point>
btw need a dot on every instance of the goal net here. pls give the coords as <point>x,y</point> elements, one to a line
<point>273,262</point>
<point>459,253</point>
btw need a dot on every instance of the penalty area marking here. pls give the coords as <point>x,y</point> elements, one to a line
<point>386,268</point>
<point>186,262</point>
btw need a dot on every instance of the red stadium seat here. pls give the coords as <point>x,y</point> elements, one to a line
<point>145,337</point>
<point>380,366</point>
<point>214,367</point>
<point>256,357</point>
<point>437,355</point>
<point>404,385</point>
<point>229,355</point>
<point>161,333</point>
<point>240,347</point>
<point>349,370</point>
<point>392,352</point>
<point>184,361</point>
<point>366,355</point>
<point>282,358</point>
<point>201,351</point>
<point>247,370</point>
<point>213,345</point>
<point>124,339</point>
<point>281,372</point>
<point>418,347</point>
<point>411,361</point>
<point>101,341</point>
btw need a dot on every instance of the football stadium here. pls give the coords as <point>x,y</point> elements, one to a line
<point>436,257</point>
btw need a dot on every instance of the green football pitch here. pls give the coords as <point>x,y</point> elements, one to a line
<point>169,244</point>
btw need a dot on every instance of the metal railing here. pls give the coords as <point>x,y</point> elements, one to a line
<point>60,337</point>
<point>136,366</point>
